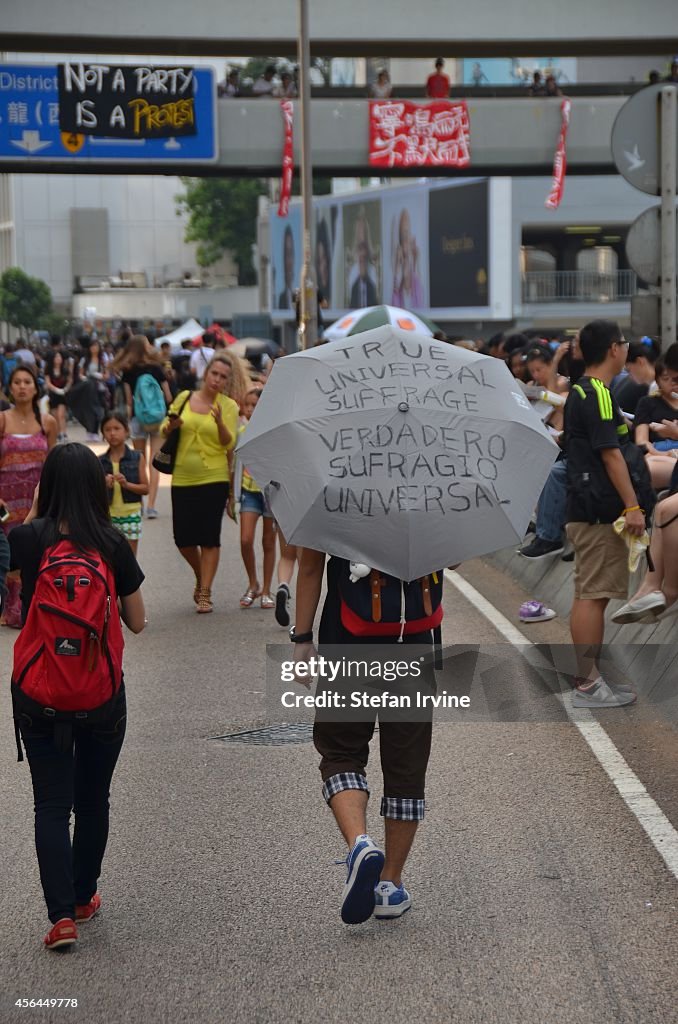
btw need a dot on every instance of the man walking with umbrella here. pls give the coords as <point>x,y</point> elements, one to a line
<point>397,455</point>
<point>374,882</point>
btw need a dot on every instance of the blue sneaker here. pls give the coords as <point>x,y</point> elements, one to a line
<point>391,900</point>
<point>365,862</point>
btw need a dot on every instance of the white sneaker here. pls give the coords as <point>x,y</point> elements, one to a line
<point>642,609</point>
<point>600,695</point>
<point>391,900</point>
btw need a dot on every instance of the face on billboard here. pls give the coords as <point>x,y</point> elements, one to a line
<point>362,247</point>
<point>326,251</point>
<point>405,218</point>
<point>458,246</point>
<point>286,257</point>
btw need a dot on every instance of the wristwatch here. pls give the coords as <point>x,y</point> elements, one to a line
<point>301,638</point>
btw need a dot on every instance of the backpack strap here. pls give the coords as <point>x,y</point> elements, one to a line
<point>40,528</point>
<point>426,594</point>
<point>376,584</point>
<point>17,735</point>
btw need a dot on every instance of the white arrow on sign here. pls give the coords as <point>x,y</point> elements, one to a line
<point>30,142</point>
<point>635,163</point>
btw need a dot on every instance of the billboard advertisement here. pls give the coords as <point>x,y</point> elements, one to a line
<point>458,246</point>
<point>362,253</point>
<point>425,247</point>
<point>286,258</point>
<point>328,235</point>
<point>405,223</point>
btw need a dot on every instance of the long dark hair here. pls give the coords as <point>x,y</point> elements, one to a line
<point>73,491</point>
<point>138,351</point>
<point>22,368</point>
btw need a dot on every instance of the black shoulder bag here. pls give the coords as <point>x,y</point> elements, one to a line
<point>164,459</point>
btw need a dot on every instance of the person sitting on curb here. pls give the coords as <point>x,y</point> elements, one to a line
<point>657,595</point>
<point>599,492</point>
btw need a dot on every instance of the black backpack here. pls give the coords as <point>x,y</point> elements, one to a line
<point>634,456</point>
<point>380,606</point>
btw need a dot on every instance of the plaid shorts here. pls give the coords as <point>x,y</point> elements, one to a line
<point>404,749</point>
<point>129,526</point>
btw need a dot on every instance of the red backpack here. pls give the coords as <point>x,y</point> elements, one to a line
<point>68,656</point>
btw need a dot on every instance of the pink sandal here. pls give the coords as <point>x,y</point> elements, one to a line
<point>267,601</point>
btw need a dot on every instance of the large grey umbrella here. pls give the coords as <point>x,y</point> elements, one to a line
<point>398,451</point>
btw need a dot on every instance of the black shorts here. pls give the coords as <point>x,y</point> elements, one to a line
<point>197,513</point>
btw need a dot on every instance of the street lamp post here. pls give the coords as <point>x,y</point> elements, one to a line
<point>308,326</point>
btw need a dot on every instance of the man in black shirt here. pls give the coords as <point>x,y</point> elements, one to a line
<point>634,385</point>
<point>599,492</point>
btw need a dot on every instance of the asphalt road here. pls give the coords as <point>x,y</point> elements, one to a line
<point>536,894</point>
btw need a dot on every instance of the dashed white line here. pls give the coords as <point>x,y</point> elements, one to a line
<point>645,810</point>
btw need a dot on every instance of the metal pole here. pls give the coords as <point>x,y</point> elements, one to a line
<point>308,327</point>
<point>669,146</point>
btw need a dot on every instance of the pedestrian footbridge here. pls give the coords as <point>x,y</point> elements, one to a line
<point>509,136</point>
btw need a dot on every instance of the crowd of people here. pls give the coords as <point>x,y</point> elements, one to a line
<point>283,82</point>
<point>612,408</point>
<point>138,396</point>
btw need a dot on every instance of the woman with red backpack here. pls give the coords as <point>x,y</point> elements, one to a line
<point>78,577</point>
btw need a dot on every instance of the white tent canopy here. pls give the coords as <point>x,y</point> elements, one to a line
<point>191,329</point>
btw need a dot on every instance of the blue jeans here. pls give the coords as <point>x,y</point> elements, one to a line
<point>77,779</point>
<point>551,510</point>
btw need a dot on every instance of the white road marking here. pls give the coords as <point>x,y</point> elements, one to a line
<point>646,811</point>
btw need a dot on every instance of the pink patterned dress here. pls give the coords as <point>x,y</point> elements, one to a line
<point>21,460</point>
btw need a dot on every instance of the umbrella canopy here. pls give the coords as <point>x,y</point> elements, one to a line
<point>398,451</point>
<point>367,319</point>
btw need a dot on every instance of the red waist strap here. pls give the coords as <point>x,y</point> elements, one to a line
<point>360,627</point>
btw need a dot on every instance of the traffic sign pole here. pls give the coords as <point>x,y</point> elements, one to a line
<point>669,112</point>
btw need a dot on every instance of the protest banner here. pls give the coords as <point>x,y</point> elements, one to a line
<point>126,101</point>
<point>287,110</point>
<point>406,134</point>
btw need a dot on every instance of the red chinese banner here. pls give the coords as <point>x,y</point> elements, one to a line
<point>287,110</point>
<point>560,159</point>
<point>405,134</point>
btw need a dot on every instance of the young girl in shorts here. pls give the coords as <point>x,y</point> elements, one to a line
<point>126,478</point>
<point>253,504</point>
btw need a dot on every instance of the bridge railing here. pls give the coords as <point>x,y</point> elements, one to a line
<point>578,286</point>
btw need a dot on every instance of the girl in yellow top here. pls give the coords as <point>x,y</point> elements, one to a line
<point>252,505</point>
<point>202,474</point>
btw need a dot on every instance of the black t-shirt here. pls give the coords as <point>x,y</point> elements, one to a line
<point>653,409</point>
<point>27,549</point>
<point>593,422</point>
<point>629,394</point>
<point>132,375</point>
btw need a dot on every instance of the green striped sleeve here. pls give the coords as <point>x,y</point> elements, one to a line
<point>604,399</point>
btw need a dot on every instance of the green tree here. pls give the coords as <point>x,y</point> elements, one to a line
<point>25,302</point>
<point>222,217</point>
